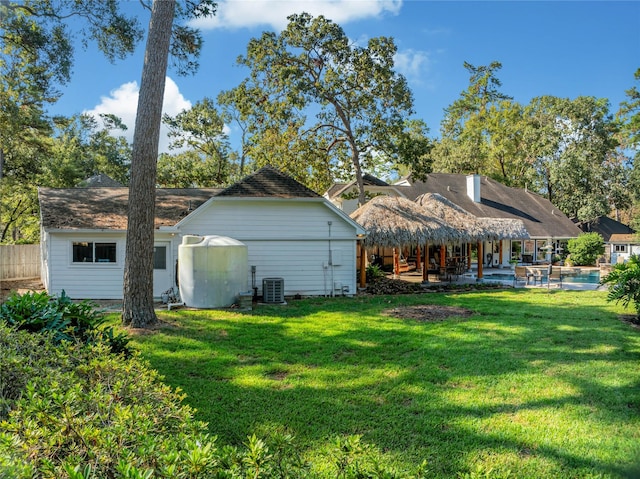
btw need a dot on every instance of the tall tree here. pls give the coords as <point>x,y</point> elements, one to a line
<point>312,69</point>
<point>137,308</point>
<point>572,143</point>
<point>36,57</point>
<point>629,116</point>
<point>183,43</point>
<point>464,130</point>
<point>202,130</point>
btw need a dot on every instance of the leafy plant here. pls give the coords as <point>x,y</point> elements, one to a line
<point>374,273</point>
<point>624,281</point>
<point>585,249</point>
<point>64,318</point>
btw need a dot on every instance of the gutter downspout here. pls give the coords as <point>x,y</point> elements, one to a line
<point>332,285</point>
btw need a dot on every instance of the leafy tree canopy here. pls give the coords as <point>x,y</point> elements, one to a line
<point>314,95</point>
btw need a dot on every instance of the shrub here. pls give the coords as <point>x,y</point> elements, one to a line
<point>585,249</point>
<point>73,411</point>
<point>624,281</point>
<point>65,319</point>
<point>374,273</point>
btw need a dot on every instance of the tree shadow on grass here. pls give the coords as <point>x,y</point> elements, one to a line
<point>438,391</point>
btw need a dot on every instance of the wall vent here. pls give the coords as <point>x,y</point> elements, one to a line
<point>273,290</point>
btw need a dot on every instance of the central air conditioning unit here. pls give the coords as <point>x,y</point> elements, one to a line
<point>273,290</point>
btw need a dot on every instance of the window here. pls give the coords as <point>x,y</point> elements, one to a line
<point>87,252</point>
<point>159,257</point>
<point>620,248</point>
<point>529,247</point>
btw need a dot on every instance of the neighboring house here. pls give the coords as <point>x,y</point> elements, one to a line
<point>290,231</point>
<point>345,195</point>
<point>620,241</point>
<point>549,229</point>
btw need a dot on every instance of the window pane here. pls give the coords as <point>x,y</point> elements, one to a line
<point>528,247</point>
<point>83,252</point>
<point>160,257</point>
<point>105,252</point>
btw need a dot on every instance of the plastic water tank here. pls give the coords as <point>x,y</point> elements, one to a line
<point>212,270</point>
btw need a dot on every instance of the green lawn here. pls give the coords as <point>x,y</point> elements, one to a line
<point>534,384</point>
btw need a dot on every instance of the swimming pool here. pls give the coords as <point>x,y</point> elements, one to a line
<point>575,275</point>
<point>582,276</point>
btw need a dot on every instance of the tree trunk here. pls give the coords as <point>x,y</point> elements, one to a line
<point>138,308</point>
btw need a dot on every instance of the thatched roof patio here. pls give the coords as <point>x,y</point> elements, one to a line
<point>479,229</point>
<point>397,222</point>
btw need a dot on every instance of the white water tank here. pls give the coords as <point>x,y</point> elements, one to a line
<point>212,270</point>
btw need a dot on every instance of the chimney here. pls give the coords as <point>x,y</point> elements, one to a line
<point>473,187</point>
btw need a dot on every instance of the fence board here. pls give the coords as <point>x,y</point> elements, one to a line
<point>19,261</point>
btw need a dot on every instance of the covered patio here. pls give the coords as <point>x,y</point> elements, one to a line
<point>432,232</point>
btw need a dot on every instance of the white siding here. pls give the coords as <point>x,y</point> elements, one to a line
<point>289,240</point>
<point>285,239</point>
<point>246,219</point>
<point>80,280</point>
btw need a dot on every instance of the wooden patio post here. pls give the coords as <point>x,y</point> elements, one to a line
<point>363,265</point>
<point>396,262</point>
<point>418,258</point>
<point>468,256</point>
<point>480,260</point>
<point>425,274</point>
<point>443,259</point>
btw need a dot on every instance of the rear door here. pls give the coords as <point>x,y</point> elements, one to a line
<point>161,267</point>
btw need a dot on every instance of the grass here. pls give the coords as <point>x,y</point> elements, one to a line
<point>532,385</point>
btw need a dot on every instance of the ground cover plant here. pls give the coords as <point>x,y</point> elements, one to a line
<point>517,383</point>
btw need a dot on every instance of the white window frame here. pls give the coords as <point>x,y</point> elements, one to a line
<point>72,243</point>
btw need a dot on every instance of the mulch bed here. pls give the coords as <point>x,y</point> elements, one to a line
<point>428,312</point>
<point>398,286</point>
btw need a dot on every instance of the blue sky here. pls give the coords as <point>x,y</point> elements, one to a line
<point>565,49</point>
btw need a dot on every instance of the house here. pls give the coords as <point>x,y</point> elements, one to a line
<point>290,231</point>
<point>549,229</point>
<point>620,241</point>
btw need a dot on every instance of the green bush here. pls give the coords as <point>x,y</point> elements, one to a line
<point>585,249</point>
<point>72,411</point>
<point>624,283</point>
<point>374,273</point>
<point>65,319</point>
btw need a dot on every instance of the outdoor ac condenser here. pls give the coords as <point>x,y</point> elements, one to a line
<point>273,290</point>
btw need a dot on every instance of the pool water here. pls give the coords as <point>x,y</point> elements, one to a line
<point>589,277</point>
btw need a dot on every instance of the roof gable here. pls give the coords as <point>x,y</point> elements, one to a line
<point>269,182</point>
<point>606,227</point>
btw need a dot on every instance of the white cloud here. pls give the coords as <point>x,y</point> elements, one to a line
<point>257,13</point>
<point>123,103</point>
<point>412,64</point>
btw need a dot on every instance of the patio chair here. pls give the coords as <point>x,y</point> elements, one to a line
<point>520,274</point>
<point>537,275</point>
<point>555,275</point>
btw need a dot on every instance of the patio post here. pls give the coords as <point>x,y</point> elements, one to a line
<point>480,260</point>
<point>363,265</point>
<point>425,273</point>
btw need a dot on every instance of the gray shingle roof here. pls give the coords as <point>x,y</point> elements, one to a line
<point>269,182</point>
<point>541,218</point>
<point>606,227</point>
<point>106,208</point>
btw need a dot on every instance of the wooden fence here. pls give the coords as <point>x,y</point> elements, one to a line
<point>19,261</point>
